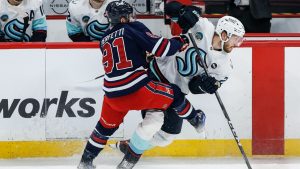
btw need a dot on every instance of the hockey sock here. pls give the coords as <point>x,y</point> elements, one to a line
<point>185,110</point>
<point>97,141</point>
<point>181,105</point>
<point>138,145</point>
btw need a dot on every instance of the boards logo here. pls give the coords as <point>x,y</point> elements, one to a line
<point>60,7</point>
<point>30,107</point>
<point>140,7</point>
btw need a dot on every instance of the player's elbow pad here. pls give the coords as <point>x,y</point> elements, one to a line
<point>79,37</point>
<point>39,36</point>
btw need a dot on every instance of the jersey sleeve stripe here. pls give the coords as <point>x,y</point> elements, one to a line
<point>127,74</point>
<point>127,86</point>
<point>166,50</point>
<point>157,45</point>
<point>39,24</point>
<point>162,47</point>
<point>126,80</point>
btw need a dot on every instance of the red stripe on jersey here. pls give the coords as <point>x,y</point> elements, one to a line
<point>162,84</point>
<point>185,110</point>
<point>162,88</point>
<point>124,81</point>
<point>161,47</point>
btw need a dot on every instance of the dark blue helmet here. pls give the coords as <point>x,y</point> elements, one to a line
<point>116,10</point>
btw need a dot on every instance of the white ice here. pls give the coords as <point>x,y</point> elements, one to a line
<point>110,162</point>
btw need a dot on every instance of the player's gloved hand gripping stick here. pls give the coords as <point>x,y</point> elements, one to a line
<point>222,105</point>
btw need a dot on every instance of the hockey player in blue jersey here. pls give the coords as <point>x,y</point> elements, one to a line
<point>128,87</point>
<point>22,21</point>
<point>215,45</point>
<point>87,21</point>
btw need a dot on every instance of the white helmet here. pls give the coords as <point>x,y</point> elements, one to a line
<point>231,25</point>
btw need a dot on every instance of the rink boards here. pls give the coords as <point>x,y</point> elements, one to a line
<point>50,101</point>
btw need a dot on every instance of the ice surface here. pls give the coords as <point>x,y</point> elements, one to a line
<point>110,162</point>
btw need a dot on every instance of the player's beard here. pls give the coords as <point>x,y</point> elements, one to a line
<point>227,47</point>
<point>96,3</point>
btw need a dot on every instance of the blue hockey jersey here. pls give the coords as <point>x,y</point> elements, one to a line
<point>124,50</point>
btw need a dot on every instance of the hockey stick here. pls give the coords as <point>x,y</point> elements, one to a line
<point>237,140</point>
<point>98,77</point>
<point>26,20</point>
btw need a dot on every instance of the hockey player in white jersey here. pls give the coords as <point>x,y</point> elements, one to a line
<point>87,20</point>
<point>215,45</point>
<point>22,21</point>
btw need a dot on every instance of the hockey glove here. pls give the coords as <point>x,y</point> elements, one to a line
<point>39,36</point>
<point>188,17</point>
<point>204,84</point>
<point>2,39</point>
<point>184,40</point>
<point>173,8</point>
<point>79,37</point>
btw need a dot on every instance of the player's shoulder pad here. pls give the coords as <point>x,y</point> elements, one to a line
<point>34,4</point>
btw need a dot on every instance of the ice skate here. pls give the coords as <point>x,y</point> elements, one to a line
<point>86,165</point>
<point>129,160</point>
<point>120,145</point>
<point>86,161</point>
<point>198,121</point>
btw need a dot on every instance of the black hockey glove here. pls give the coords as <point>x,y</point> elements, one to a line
<point>2,39</point>
<point>172,9</point>
<point>188,17</point>
<point>39,36</point>
<point>79,37</point>
<point>204,84</point>
<point>184,40</point>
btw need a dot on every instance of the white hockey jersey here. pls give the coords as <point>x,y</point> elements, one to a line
<point>83,18</point>
<point>181,68</point>
<point>18,22</point>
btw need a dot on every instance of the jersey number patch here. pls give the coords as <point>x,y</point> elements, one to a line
<point>108,58</point>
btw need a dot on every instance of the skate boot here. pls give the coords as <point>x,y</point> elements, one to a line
<point>86,165</point>
<point>120,145</point>
<point>198,121</point>
<point>86,161</point>
<point>129,160</point>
